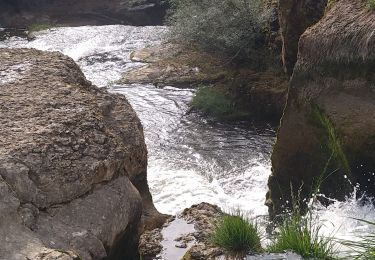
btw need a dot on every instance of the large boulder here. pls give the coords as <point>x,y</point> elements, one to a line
<point>327,133</point>
<point>22,13</point>
<point>73,164</point>
<point>295,16</point>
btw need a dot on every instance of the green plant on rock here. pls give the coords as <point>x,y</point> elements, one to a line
<point>36,27</point>
<point>371,4</point>
<point>364,248</point>
<point>302,235</point>
<point>237,235</point>
<point>333,144</point>
<point>231,27</point>
<point>329,5</point>
<point>211,101</point>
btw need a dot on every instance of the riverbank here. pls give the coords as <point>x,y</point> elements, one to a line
<point>190,158</point>
<point>250,93</point>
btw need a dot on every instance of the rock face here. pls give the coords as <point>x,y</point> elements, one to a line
<point>295,16</point>
<point>22,13</point>
<point>72,164</point>
<point>329,122</point>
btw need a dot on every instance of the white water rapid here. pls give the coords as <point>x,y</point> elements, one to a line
<point>191,158</point>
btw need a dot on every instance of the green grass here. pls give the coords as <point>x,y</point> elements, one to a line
<point>365,247</point>
<point>298,234</point>
<point>237,235</point>
<point>213,102</point>
<point>329,5</point>
<point>333,141</point>
<point>36,27</point>
<point>301,234</point>
<point>371,4</point>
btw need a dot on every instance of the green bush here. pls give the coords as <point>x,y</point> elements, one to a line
<point>371,3</point>
<point>212,102</point>
<point>237,235</point>
<point>232,27</point>
<point>301,235</point>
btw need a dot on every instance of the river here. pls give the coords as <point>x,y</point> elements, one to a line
<point>191,158</point>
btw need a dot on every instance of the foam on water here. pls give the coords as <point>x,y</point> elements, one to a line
<point>343,219</point>
<point>191,159</point>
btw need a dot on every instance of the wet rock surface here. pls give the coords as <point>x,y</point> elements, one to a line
<point>150,243</point>
<point>204,216</point>
<point>172,65</point>
<point>72,163</point>
<point>329,120</point>
<point>21,13</point>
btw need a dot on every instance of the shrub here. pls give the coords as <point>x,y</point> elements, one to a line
<point>301,234</point>
<point>371,4</point>
<point>365,247</point>
<point>232,27</point>
<point>212,102</point>
<point>237,235</point>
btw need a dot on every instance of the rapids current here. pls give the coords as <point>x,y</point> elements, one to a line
<point>191,158</point>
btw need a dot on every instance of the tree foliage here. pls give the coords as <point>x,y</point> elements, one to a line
<point>231,27</point>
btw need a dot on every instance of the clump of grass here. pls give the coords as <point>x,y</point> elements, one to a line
<point>237,235</point>
<point>36,27</point>
<point>333,141</point>
<point>365,247</point>
<point>215,103</point>
<point>371,4</point>
<point>212,102</point>
<point>302,234</point>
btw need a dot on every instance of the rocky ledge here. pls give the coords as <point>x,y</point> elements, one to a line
<point>21,13</point>
<point>328,128</point>
<point>73,164</point>
<point>258,92</point>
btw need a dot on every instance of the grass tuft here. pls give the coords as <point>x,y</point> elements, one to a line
<point>298,234</point>
<point>36,27</point>
<point>237,235</point>
<point>365,247</point>
<point>302,234</point>
<point>213,102</point>
<point>334,143</point>
<point>371,4</point>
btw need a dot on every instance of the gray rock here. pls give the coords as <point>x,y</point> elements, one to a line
<point>22,13</point>
<point>73,163</point>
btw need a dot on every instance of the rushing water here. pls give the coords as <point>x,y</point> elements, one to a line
<point>191,158</point>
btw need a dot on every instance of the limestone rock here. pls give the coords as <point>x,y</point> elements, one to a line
<point>73,163</point>
<point>172,65</point>
<point>22,13</point>
<point>295,16</point>
<point>329,119</point>
<point>204,216</point>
